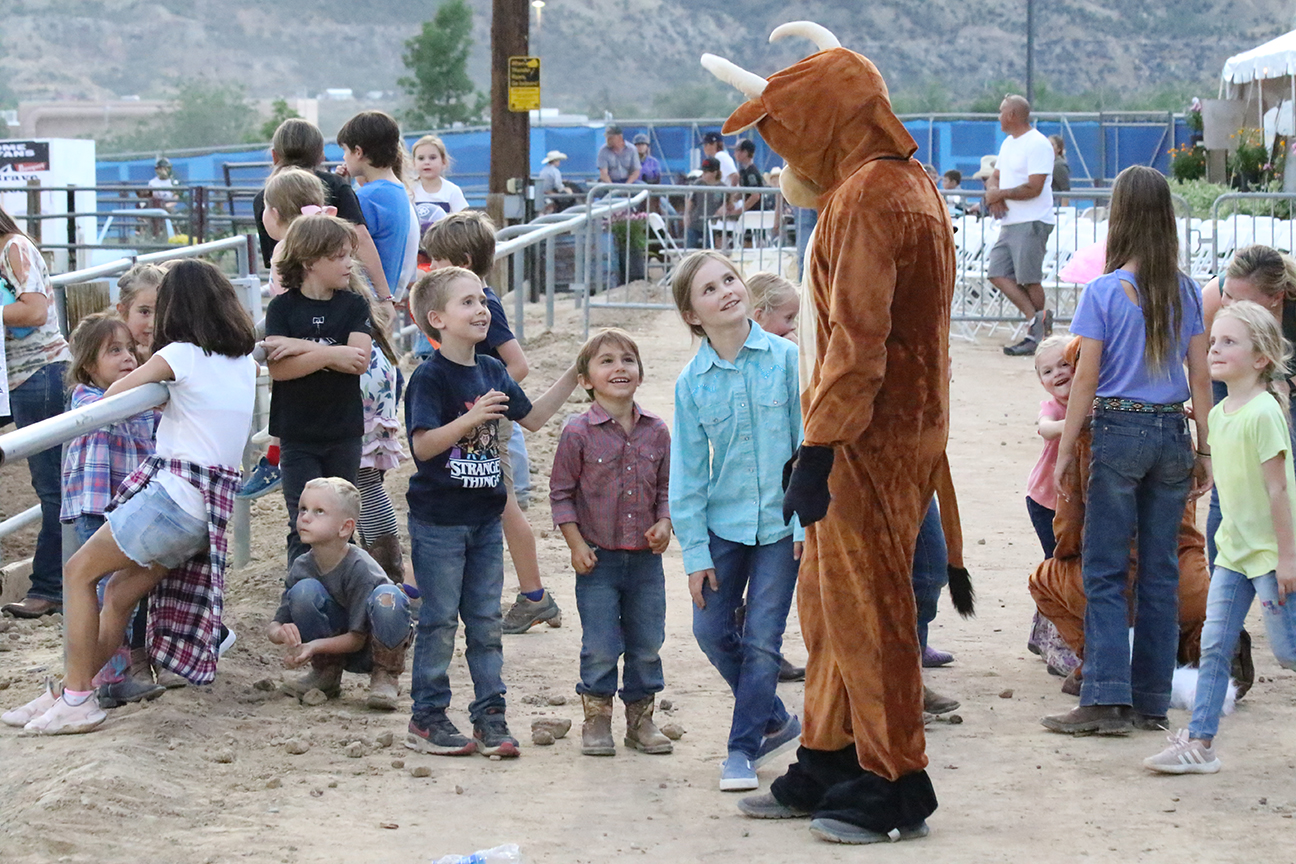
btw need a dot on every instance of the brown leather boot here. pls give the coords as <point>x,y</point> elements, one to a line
<point>386,550</point>
<point>388,664</point>
<point>641,732</point>
<point>596,734</point>
<point>325,676</point>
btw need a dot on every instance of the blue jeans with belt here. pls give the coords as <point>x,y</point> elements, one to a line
<point>39,398</point>
<point>1139,479</point>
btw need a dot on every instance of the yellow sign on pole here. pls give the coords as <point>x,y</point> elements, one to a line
<point>524,84</point>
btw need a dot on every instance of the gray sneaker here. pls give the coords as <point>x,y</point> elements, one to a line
<point>1184,756</point>
<point>525,614</point>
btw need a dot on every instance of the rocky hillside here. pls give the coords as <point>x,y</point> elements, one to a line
<point>622,53</point>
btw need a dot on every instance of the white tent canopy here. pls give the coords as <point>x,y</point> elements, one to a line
<point>1264,77</point>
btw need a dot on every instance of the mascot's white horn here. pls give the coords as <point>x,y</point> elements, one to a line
<point>749,84</point>
<point>820,35</point>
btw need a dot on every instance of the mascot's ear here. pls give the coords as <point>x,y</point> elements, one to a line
<point>798,191</point>
<point>749,84</point>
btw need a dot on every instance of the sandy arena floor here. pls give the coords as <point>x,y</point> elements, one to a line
<point>203,775</point>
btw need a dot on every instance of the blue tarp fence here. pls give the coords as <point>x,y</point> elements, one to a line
<point>1098,148</point>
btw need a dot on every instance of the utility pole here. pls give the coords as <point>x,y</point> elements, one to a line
<point>510,150</point>
<point>1030,52</point>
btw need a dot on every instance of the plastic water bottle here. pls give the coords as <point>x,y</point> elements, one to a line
<point>509,853</point>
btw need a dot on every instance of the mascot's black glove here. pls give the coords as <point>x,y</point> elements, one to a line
<point>805,484</point>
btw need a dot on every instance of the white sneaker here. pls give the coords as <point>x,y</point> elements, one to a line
<point>65,719</point>
<point>23,715</point>
<point>1184,756</point>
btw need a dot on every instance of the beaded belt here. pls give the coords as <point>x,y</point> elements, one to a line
<point>1114,404</point>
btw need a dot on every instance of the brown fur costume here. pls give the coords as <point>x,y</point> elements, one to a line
<point>880,276</point>
<point>1058,583</point>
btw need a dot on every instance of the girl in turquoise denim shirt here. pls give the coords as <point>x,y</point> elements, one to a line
<point>737,422</point>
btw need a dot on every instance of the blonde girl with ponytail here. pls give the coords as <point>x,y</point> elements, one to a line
<point>1256,544</point>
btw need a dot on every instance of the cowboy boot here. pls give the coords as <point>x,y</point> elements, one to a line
<point>388,665</point>
<point>386,550</point>
<point>596,733</point>
<point>325,676</point>
<point>641,732</point>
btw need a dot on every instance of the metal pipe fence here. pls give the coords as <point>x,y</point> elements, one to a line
<point>64,427</point>
<point>632,253</point>
<point>1241,219</point>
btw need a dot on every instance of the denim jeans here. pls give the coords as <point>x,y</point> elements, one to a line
<point>459,570</point>
<point>748,661</point>
<point>1226,610</point>
<point>1042,521</point>
<point>930,569</point>
<point>300,463</point>
<point>622,605</point>
<point>521,464</point>
<point>38,398</point>
<point>318,616</point>
<point>1138,485</point>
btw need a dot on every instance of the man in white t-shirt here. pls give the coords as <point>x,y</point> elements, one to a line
<point>713,146</point>
<point>1019,195</point>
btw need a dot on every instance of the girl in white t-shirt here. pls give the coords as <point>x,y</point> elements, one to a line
<point>169,517</point>
<point>434,196</point>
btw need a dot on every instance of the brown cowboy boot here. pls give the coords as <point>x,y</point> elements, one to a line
<point>596,734</point>
<point>325,676</point>
<point>641,732</point>
<point>386,550</point>
<point>388,664</point>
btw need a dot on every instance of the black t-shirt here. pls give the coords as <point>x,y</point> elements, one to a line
<point>337,193</point>
<point>323,406</point>
<point>498,332</point>
<point>462,485</point>
<point>750,176</point>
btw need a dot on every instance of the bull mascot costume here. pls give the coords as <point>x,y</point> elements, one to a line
<point>874,335</point>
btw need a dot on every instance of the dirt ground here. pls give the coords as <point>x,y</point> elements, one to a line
<point>202,775</point>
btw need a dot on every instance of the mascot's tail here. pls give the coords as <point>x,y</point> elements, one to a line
<point>960,581</point>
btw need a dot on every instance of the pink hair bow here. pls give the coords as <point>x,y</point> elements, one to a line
<point>312,209</point>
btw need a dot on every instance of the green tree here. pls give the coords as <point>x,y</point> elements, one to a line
<point>202,114</point>
<point>437,59</point>
<point>279,112</point>
<point>702,101</point>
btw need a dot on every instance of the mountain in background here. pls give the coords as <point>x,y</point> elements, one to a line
<point>632,56</point>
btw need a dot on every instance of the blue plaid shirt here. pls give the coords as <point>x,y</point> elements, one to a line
<point>736,424</point>
<point>98,462</point>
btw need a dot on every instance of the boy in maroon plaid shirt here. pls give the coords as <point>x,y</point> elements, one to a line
<point>608,490</point>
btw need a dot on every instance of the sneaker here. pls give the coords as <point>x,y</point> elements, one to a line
<point>491,733</point>
<point>1024,348</point>
<point>24,714</point>
<point>65,719</point>
<point>525,614</point>
<point>264,479</point>
<point>768,807</point>
<point>778,741</point>
<point>738,774</point>
<point>837,831</point>
<point>1184,756</point>
<point>933,658</point>
<point>432,732</point>
<point>228,638</point>
<point>118,693</point>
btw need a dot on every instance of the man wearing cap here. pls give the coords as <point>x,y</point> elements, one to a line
<point>713,146</point>
<point>551,181</point>
<point>1019,194</point>
<point>617,163</point>
<point>649,168</point>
